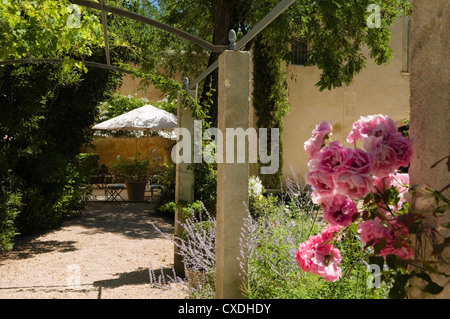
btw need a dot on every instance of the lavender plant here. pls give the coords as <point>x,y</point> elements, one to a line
<point>197,246</point>
<point>268,247</point>
<point>268,242</point>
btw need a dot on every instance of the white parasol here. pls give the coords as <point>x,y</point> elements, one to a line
<point>144,118</point>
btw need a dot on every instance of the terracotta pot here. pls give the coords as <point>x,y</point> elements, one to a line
<point>136,190</point>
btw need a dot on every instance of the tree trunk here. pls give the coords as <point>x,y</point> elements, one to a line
<point>223,16</point>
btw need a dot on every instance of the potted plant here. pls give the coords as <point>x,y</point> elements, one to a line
<point>135,173</point>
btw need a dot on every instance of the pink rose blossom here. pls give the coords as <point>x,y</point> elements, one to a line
<point>354,179</point>
<point>398,180</point>
<point>316,255</point>
<point>381,184</point>
<point>339,211</point>
<point>401,182</point>
<point>354,186</point>
<point>332,157</point>
<point>396,243</point>
<point>316,142</point>
<point>372,125</point>
<point>320,181</point>
<point>395,236</point>
<point>402,147</point>
<point>329,232</point>
<point>371,229</point>
<point>324,166</point>
<point>385,160</point>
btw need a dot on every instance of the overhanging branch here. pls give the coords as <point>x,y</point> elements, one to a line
<point>59,61</point>
<point>157,24</point>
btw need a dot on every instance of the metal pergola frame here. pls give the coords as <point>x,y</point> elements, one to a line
<point>101,5</point>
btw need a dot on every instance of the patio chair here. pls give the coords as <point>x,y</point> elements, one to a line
<point>113,191</point>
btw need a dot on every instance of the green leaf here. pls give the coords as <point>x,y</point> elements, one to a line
<point>391,261</point>
<point>381,243</point>
<point>377,260</point>
<point>434,288</point>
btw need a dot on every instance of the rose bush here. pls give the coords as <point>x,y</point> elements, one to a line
<point>363,195</point>
<point>341,177</point>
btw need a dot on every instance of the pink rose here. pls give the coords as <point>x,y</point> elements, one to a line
<point>339,211</point>
<point>395,239</point>
<point>401,182</point>
<point>324,166</point>
<point>354,179</point>
<point>397,242</point>
<point>320,181</point>
<point>371,229</point>
<point>402,147</point>
<point>317,256</point>
<point>381,184</point>
<point>353,185</point>
<point>316,142</point>
<point>372,125</point>
<point>385,160</point>
<point>329,232</point>
<point>398,180</point>
<point>332,157</point>
<point>325,263</point>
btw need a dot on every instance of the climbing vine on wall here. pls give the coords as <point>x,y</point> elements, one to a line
<point>270,94</point>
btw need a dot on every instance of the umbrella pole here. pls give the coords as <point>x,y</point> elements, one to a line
<point>148,142</point>
<point>136,139</point>
<point>148,153</point>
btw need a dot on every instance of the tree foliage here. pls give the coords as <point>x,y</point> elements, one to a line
<point>46,119</point>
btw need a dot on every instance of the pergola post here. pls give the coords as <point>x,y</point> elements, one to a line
<point>234,104</point>
<point>184,177</point>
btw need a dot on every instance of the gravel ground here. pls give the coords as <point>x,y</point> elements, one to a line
<point>103,253</point>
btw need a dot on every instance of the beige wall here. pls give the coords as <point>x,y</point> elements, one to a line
<point>132,86</point>
<point>110,147</point>
<point>377,89</point>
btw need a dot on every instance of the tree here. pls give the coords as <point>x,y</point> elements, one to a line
<point>47,109</point>
<point>46,119</point>
<point>335,32</point>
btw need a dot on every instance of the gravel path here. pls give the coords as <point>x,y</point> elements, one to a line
<point>106,252</point>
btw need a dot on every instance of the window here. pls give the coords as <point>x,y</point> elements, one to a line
<point>299,51</point>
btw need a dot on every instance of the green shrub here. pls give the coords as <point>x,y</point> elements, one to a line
<point>166,179</point>
<point>87,163</point>
<point>277,226</point>
<point>9,209</point>
<point>205,184</point>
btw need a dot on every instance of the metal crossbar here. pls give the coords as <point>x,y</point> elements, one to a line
<point>160,25</point>
<point>272,15</point>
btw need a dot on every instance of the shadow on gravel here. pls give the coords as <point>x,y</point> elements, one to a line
<point>131,219</point>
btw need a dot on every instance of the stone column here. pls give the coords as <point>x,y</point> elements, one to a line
<point>234,105</point>
<point>184,178</point>
<point>430,111</point>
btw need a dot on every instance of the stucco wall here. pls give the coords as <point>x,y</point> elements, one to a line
<point>110,147</point>
<point>377,89</point>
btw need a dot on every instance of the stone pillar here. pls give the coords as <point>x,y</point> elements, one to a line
<point>430,110</point>
<point>234,105</point>
<point>184,178</point>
